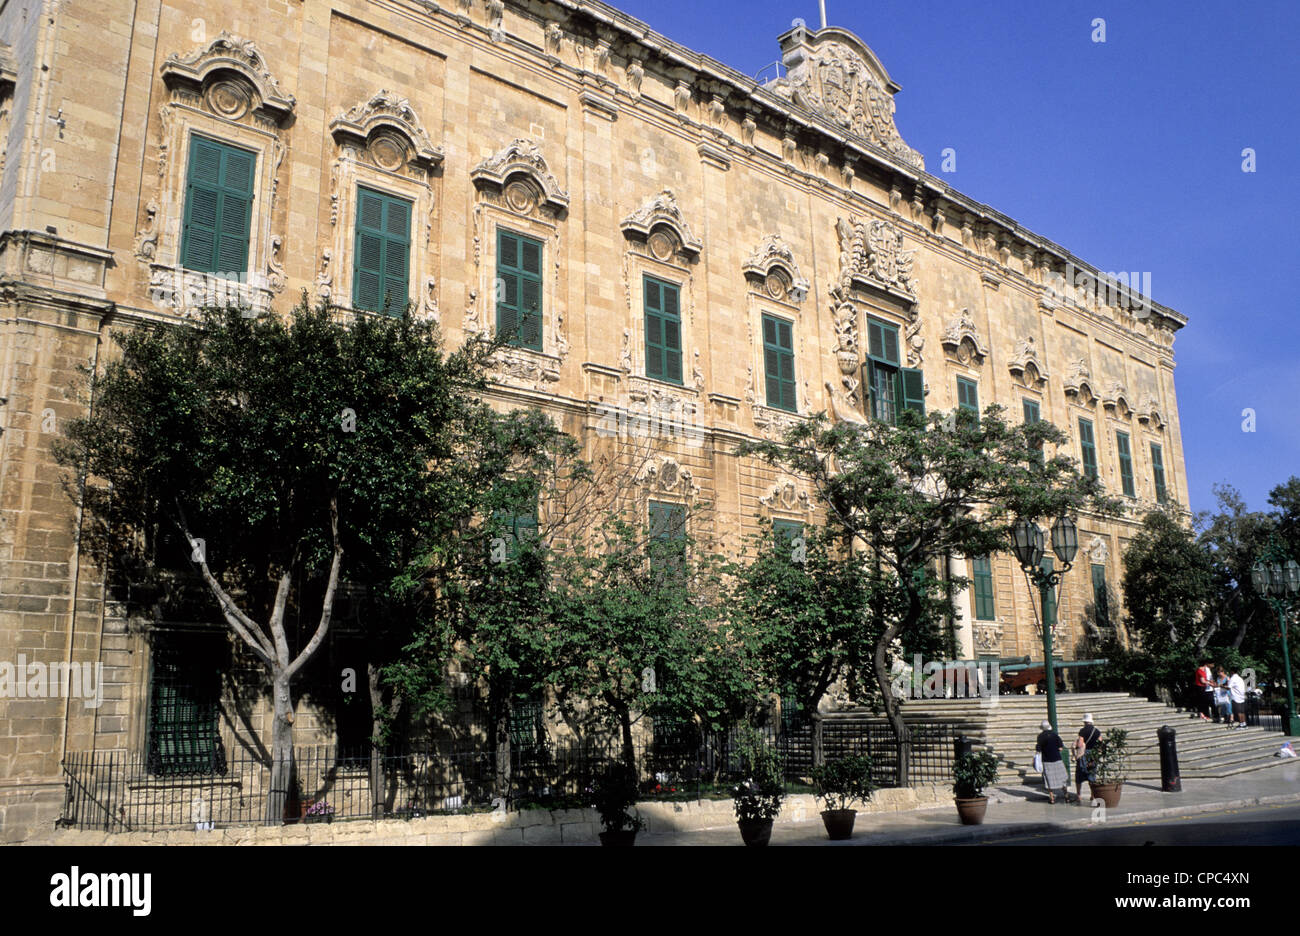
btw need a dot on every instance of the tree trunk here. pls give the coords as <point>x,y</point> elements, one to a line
<point>281,750</point>
<point>818,741</point>
<point>625,723</point>
<point>378,784</point>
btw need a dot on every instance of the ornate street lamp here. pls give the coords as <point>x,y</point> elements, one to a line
<point>1277,581</point>
<point>1027,544</point>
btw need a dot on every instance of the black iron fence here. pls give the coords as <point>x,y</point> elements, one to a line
<point>120,792</point>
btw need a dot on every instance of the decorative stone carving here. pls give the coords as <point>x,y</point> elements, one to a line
<point>682,100</point>
<point>697,373</point>
<point>895,197</point>
<point>602,58</point>
<point>659,215</point>
<point>988,638</point>
<point>961,339</point>
<point>275,264</point>
<point>429,298</point>
<point>1148,411</point>
<point>388,130</point>
<point>717,113</point>
<point>1078,381</point>
<point>1025,365</point>
<point>554,39</point>
<point>967,232</point>
<point>635,75</point>
<point>871,252</point>
<point>325,276</point>
<point>774,258</point>
<point>914,342</point>
<point>146,239</point>
<point>788,149</point>
<point>521,158</point>
<point>843,406</point>
<point>496,11</point>
<point>206,72</point>
<point>1115,399</point>
<point>665,475</point>
<point>747,129</point>
<point>785,495</point>
<point>1097,550</point>
<point>625,359</point>
<point>835,74</point>
<point>530,368</point>
<point>847,172</point>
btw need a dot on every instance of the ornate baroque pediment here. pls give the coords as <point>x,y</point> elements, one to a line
<point>871,253</point>
<point>1097,550</point>
<point>773,267</point>
<point>666,476</point>
<point>832,72</point>
<point>388,127</point>
<point>961,339</point>
<point>1025,364</point>
<point>662,212</point>
<point>1148,411</point>
<point>785,495</point>
<point>521,158</point>
<point>1115,398</point>
<point>208,71</point>
<point>1078,380</point>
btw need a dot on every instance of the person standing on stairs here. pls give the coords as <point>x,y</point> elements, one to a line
<point>1205,685</point>
<point>1237,690</point>
<point>1049,747</point>
<point>1089,738</point>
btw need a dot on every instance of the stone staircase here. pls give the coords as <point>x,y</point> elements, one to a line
<point>1009,725</point>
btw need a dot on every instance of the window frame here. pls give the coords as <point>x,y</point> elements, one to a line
<point>1088,449</point>
<point>222,192</point>
<point>985,605</point>
<point>1100,594</point>
<point>1124,453</point>
<point>661,285</point>
<point>1158,473</point>
<point>386,305</point>
<point>782,384</point>
<point>539,278</point>
<point>971,388</point>
<point>894,373</point>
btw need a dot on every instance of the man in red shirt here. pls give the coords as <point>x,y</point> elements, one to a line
<point>1205,685</point>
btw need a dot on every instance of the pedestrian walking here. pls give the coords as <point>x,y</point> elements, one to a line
<point>1049,747</point>
<point>1237,691</point>
<point>1089,737</point>
<point>1205,688</point>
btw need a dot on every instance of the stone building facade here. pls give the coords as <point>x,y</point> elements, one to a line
<point>671,237</point>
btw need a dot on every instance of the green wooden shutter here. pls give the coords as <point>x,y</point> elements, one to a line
<point>519,303</point>
<point>1088,448</point>
<point>218,208</point>
<point>663,330</point>
<point>913,390</point>
<point>381,262</point>
<point>1100,599</point>
<point>1125,463</point>
<point>1158,472</point>
<point>982,577</point>
<point>778,358</point>
<point>968,397</point>
<point>1032,416</point>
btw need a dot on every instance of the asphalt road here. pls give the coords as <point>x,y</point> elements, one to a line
<point>1259,825</point>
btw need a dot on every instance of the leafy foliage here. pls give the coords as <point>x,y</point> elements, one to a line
<point>973,772</point>
<point>844,780</point>
<point>613,794</point>
<point>1109,758</point>
<point>761,790</point>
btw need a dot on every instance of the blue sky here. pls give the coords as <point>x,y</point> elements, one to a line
<point>1127,152</point>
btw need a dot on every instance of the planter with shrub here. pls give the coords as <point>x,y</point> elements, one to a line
<point>971,774</point>
<point>838,783</point>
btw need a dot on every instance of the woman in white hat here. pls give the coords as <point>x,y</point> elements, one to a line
<point>1049,747</point>
<point>1089,738</point>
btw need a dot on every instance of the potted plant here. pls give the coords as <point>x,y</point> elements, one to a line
<point>1109,763</point>
<point>971,773</point>
<point>758,795</point>
<point>839,782</point>
<point>319,811</point>
<point>613,794</point>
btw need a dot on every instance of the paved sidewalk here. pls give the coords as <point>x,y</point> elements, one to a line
<point>1020,810</point>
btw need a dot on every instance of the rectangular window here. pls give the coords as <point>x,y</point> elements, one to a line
<point>185,705</point>
<point>1032,416</point>
<point>968,395</point>
<point>527,727</point>
<point>982,576</point>
<point>519,289</point>
<point>218,208</point>
<point>516,528</point>
<point>891,388</point>
<point>1125,463</point>
<point>786,532</point>
<point>663,330</point>
<point>778,361</point>
<point>667,540</point>
<point>382,256</point>
<point>1158,472</point>
<point>1088,448</point>
<point>1100,599</point>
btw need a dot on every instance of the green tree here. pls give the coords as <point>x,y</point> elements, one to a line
<point>266,450</point>
<point>917,493</point>
<point>1169,581</point>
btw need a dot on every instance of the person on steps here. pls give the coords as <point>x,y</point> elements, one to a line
<point>1089,738</point>
<point>1049,745</point>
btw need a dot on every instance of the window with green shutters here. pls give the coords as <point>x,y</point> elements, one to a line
<point>1125,463</point>
<point>1158,472</point>
<point>1088,448</point>
<point>667,539</point>
<point>218,208</point>
<point>185,705</point>
<point>968,395</point>
<point>1100,597</point>
<point>778,361</point>
<point>519,292</point>
<point>663,330</point>
<point>982,577</point>
<point>891,388</point>
<point>382,258</point>
<point>1032,416</point>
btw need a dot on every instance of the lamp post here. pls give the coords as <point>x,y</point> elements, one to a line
<point>1027,544</point>
<point>1276,577</point>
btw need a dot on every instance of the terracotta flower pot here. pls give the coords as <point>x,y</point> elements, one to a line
<point>623,837</point>
<point>756,832</point>
<point>971,810</point>
<point>1108,793</point>
<point>839,823</point>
